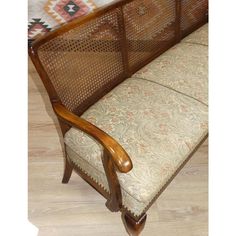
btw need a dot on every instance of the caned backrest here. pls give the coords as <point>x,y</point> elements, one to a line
<point>193,13</point>
<point>83,60</point>
<point>150,26</point>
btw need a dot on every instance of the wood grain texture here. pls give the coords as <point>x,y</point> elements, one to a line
<point>118,155</point>
<point>134,227</point>
<point>77,209</point>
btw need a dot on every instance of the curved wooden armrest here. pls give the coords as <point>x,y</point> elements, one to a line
<point>119,156</point>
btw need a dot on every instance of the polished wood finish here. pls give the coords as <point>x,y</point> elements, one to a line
<point>114,203</point>
<point>133,227</point>
<point>67,171</point>
<point>43,75</point>
<point>119,157</point>
<point>115,157</point>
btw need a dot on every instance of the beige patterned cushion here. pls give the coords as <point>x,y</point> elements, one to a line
<point>183,68</point>
<point>199,36</point>
<point>158,128</point>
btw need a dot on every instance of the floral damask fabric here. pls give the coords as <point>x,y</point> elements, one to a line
<point>44,15</point>
<point>183,68</point>
<point>158,128</point>
<point>200,36</point>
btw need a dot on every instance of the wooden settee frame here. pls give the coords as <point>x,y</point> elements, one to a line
<point>115,157</point>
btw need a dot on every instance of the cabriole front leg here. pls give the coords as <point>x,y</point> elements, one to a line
<point>133,227</point>
<point>114,202</point>
<point>67,171</point>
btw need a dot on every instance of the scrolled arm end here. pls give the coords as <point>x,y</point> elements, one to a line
<point>119,156</point>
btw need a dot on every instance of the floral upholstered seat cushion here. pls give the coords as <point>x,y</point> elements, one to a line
<point>183,68</point>
<point>199,36</point>
<point>157,127</point>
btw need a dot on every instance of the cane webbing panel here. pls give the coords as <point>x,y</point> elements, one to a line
<point>91,58</point>
<point>193,12</point>
<point>85,62</point>
<point>149,26</point>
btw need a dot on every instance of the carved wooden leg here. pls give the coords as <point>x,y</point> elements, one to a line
<point>67,172</point>
<point>132,226</point>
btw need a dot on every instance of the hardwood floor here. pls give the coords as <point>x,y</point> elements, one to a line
<point>76,209</point>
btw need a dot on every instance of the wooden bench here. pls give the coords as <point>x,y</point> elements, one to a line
<point>130,93</point>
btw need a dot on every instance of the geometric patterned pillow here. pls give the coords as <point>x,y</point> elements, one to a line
<point>44,15</point>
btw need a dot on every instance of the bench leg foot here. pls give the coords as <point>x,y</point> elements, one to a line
<point>132,226</point>
<point>67,172</point>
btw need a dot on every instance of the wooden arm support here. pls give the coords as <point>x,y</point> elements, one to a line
<point>114,156</point>
<point>119,157</point>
